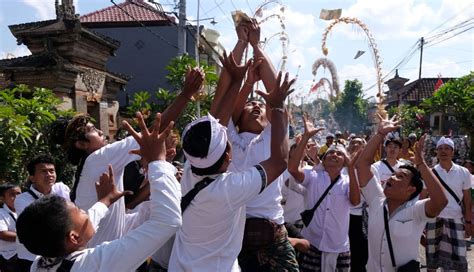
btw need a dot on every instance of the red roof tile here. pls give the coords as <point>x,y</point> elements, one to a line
<point>123,13</point>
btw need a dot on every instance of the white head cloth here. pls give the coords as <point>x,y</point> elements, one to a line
<point>216,147</point>
<point>445,141</point>
<point>336,147</point>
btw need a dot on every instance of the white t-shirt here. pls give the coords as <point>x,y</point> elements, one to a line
<point>329,228</point>
<point>24,199</point>
<point>249,149</point>
<point>293,197</point>
<point>406,226</point>
<point>113,226</point>
<point>458,179</point>
<point>7,223</point>
<point>211,236</point>
<point>382,172</point>
<point>129,252</point>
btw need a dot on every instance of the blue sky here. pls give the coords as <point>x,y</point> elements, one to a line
<point>395,25</point>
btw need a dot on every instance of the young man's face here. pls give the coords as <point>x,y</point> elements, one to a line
<point>392,150</point>
<point>95,137</point>
<point>354,145</point>
<point>10,195</point>
<point>329,141</point>
<point>44,177</point>
<point>82,225</point>
<point>445,153</point>
<point>398,186</point>
<point>334,158</point>
<point>253,118</point>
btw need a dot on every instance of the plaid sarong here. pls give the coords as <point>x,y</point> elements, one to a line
<point>445,245</point>
<point>311,261</point>
<point>278,256</point>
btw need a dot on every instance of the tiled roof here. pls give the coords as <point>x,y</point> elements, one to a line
<point>123,13</point>
<point>420,89</point>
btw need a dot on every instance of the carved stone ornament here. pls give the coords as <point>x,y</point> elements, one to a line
<point>93,80</point>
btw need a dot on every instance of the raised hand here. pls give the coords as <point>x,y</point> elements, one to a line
<point>152,143</point>
<point>252,74</point>
<point>351,162</point>
<point>242,32</point>
<point>309,129</point>
<point>254,33</point>
<point>419,159</point>
<point>106,189</point>
<point>388,125</point>
<point>276,98</point>
<point>193,81</point>
<point>236,72</point>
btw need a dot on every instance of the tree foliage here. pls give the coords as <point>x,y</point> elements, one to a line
<point>411,119</point>
<point>350,109</point>
<point>25,117</point>
<point>456,98</point>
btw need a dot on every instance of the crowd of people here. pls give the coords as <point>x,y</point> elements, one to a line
<point>245,199</point>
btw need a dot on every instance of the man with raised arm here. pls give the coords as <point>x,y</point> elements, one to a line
<point>329,195</point>
<point>390,209</point>
<point>214,198</point>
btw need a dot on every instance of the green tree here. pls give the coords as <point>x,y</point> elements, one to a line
<point>350,109</point>
<point>456,97</point>
<point>25,117</point>
<point>411,118</point>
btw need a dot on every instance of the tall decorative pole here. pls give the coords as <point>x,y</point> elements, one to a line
<point>375,54</point>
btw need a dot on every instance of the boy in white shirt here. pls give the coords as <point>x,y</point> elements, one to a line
<point>385,168</point>
<point>393,205</point>
<point>8,258</point>
<point>59,231</point>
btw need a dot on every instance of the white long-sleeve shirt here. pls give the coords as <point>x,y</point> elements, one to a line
<point>113,225</point>
<point>127,253</point>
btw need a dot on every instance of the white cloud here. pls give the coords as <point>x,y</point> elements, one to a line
<point>44,9</point>
<point>365,74</point>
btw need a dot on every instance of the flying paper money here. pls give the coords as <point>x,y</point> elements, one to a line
<point>330,14</point>
<point>240,17</point>
<point>359,53</point>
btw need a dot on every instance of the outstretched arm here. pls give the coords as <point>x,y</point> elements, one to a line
<point>192,85</point>
<point>278,161</point>
<point>237,72</point>
<point>437,200</point>
<point>294,164</point>
<point>366,158</point>
<point>354,189</point>
<point>225,79</point>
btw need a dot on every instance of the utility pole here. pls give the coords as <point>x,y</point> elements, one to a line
<point>182,28</point>
<point>422,42</point>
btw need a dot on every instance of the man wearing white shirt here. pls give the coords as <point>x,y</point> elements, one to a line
<point>42,175</point>
<point>213,224</point>
<point>328,229</point>
<point>8,216</point>
<point>446,244</point>
<point>62,231</point>
<point>392,146</point>
<point>88,148</point>
<point>392,204</point>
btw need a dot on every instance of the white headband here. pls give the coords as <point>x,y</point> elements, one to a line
<point>217,145</point>
<point>445,141</point>
<point>335,147</point>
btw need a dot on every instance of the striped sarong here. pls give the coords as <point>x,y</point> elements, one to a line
<point>311,261</point>
<point>445,245</point>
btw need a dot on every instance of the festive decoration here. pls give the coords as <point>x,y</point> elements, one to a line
<point>334,86</point>
<point>375,52</point>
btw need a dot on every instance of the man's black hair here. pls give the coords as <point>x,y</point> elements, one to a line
<point>5,187</point>
<point>43,226</point>
<point>396,141</point>
<point>196,143</point>
<point>41,158</point>
<point>415,179</point>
